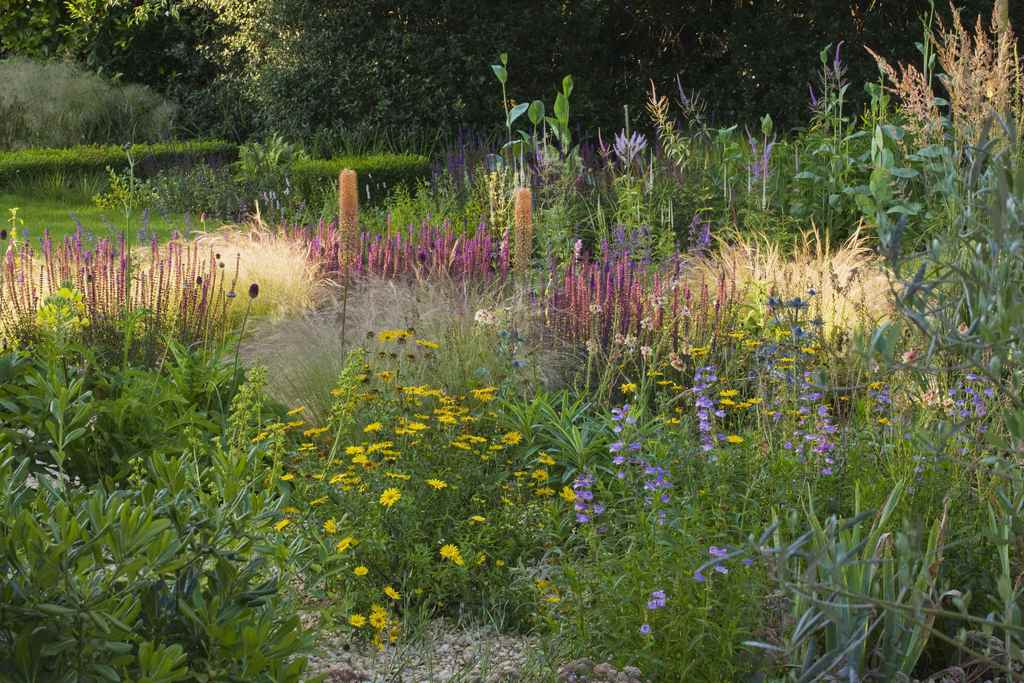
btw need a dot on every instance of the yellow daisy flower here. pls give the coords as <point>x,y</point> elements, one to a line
<point>389,497</point>
<point>450,551</point>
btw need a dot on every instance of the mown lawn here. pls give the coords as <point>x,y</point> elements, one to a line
<point>61,214</point>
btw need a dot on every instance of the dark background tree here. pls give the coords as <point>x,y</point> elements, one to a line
<point>405,69</point>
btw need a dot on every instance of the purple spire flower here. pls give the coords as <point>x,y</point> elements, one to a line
<point>629,148</point>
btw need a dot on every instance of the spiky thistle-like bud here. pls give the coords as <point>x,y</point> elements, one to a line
<point>523,245</point>
<point>348,218</point>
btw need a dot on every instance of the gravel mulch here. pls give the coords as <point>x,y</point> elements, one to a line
<point>444,653</point>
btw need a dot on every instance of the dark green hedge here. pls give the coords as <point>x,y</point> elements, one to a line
<point>29,164</point>
<point>362,69</point>
<point>353,70</point>
<point>380,173</point>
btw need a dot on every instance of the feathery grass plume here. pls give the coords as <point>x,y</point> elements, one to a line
<point>917,101</point>
<point>981,72</point>
<point>276,259</point>
<point>673,145</point>
<point>524,230</point>
<point>348,219</point>
<point>850,287</point>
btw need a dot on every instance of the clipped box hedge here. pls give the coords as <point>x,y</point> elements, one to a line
<point>378,174</point>
<point>28,164</point>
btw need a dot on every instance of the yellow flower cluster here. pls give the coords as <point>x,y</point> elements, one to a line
<point>394,335</point>
<point>451,552</point>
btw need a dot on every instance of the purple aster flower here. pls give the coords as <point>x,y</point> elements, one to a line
<point>657,600</point>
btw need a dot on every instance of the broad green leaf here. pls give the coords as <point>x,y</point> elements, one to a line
<point>516,112</point>
<point>536,112</point>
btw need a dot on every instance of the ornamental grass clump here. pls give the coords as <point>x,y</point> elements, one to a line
<point>468,321</point>
<point>848,284</point>
<point>290,283</point>
<point>981,73</point>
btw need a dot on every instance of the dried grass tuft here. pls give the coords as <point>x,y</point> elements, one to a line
<point>851,287</point>
<point>289,284</point>
<point>305,355</point>
<point>981,73</point>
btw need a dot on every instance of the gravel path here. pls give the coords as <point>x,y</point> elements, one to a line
<point>444,653</point>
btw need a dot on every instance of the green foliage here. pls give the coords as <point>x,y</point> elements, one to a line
<point>316,180</point>
<point>308,70</point>
<point>201,188</point>
<point>267,162</point>
<point>961,294</point>
<point>175,578</point>
<point>31,29</point>
<point>286,184</point>
<point>437,477</point>
<point>362,70</point>
<point>125,191</point>
<point>95,421</point>
<point>157,43</point>
<point>29,164</point>
<point>838,572</point>
<point>113,585</point>
<point>62,105</point>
